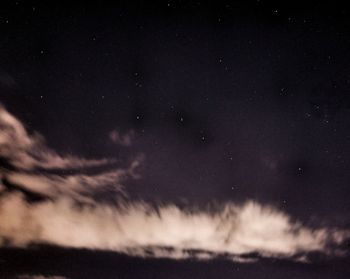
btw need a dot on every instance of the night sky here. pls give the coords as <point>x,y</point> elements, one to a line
<point>198,105</point>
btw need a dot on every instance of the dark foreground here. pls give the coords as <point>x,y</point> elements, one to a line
<point>73,263</point>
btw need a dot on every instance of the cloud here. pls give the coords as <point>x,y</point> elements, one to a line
<point>32,166</point>
<point>75,186</point>
<point>122,139</point>
<point>71,216</point>
<point>166,231</point>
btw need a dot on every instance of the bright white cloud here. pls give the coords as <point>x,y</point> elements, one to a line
<point>132,227</point>
<point>136,228</point>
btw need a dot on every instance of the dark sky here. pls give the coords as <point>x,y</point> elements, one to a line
<point>226,102</point>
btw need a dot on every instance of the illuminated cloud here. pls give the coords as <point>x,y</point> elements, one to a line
<point>69,215</point>
<point>27,151</point>
<point>138,229</point>
<point>32,166</point>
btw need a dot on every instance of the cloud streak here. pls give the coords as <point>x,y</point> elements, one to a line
<point>26,151</point>
<point>70,216</point>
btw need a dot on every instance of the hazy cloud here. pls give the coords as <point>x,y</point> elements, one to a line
<point>122,139</point>
<point>6,80</point>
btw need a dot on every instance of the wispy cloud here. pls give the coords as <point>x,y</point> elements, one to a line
<point>31,165</point>
<point>124,139</point>
<point>27,151</point>
<point>71,217</point>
